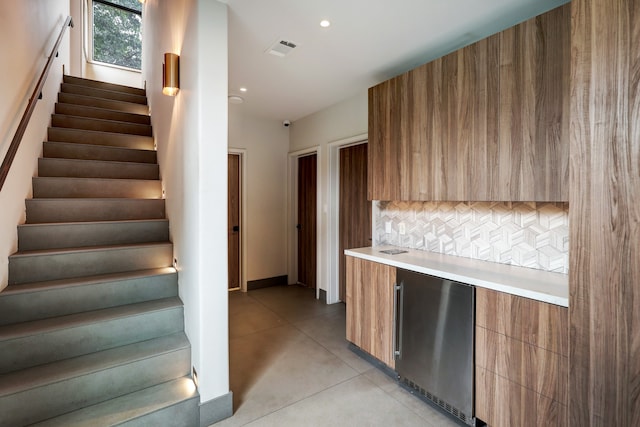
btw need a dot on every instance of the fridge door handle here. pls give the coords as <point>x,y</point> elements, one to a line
<point>397,320</point>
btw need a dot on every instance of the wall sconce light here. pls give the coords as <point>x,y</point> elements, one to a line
<point>171,74</point>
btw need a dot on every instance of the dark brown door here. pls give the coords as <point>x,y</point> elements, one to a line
<point>355,209</point>
<point>233,215</point>
<point>307,220</point>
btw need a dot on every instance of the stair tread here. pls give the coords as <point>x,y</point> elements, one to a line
<point>87,280</point>
<point>98,110</point>
<point>37,327</point>
<point>101,132</point>
<point>109,147</point>
<point>97,102</point>
<point>124,221</point>
<point>63,251</point>
<point>83,81</point>
<point>108,162</point>
<point>99,120</point>
<point>78,178</point>
<point>127,407</point>
<point>38,376</point>
<point>102,93</point>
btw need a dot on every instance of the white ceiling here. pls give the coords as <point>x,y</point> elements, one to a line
<point>369,41</point>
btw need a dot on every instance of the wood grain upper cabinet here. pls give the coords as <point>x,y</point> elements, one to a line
<point>487,122</point>
<point>369,299</point>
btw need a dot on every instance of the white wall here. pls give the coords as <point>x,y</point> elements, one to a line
<point>191,135</point>
<point>345,121</point>
<point>28,31</point>
<point>266,143</point>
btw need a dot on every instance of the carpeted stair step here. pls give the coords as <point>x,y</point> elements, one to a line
<point>111,139</point>
<point>64,187</point>
<point>44,341</point>
<point>79,151</point>
<point>33,237</point>
<point>101,113</point>
<point>80,210</point>
<point>173,403</point>
<point>102,125</point>
<point>46,391</point>
<point>40,300</point>
<point>54,264</point>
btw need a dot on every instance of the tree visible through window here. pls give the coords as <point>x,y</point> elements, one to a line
<point>117,32</point>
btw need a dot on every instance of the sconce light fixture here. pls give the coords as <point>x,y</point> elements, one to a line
<point>171,74</point>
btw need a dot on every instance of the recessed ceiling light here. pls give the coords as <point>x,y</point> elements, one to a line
<point>234,99</point>
<point>243,89</point>
<point>324,23</point>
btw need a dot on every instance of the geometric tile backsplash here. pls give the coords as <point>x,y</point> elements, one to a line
<point>526,234</point>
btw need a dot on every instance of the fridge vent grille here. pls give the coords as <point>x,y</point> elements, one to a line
<point>441,403</point>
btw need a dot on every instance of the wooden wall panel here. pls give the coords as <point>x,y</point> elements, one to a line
<point>604,253</point>
<point>355,210</point>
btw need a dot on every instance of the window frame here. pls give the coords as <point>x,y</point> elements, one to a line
<point>89,34</point>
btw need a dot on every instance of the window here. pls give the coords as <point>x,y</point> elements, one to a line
<point>117,32</point>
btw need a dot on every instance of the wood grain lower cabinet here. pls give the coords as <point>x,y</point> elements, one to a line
<point>369,299</point>
<point>521,361</point>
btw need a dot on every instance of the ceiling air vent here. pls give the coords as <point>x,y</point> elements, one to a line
<point>281,48</point>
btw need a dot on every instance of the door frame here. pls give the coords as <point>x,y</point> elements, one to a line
<point>292,209</point>
<point>333,214</point>
<point>242,152</point>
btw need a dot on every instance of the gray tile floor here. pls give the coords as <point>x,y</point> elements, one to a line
<point>290,365</point>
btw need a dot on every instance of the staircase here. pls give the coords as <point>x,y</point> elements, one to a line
<point>91,326</point>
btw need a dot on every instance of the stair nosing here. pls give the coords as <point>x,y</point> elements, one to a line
<point>110,162</point>
<point>70,321</point>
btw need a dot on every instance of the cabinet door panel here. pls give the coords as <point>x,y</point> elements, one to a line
<point>487,122</point>
<point>537,323</point>
<point>532,367</point>
<point>369,299</point>
<point>503,403</point>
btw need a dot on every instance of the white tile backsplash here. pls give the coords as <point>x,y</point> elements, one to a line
<point>530,234</point>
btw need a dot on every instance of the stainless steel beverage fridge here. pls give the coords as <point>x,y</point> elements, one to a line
<point>434,340</point>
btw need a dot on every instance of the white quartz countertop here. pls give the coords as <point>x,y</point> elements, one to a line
<point>525,282</point>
